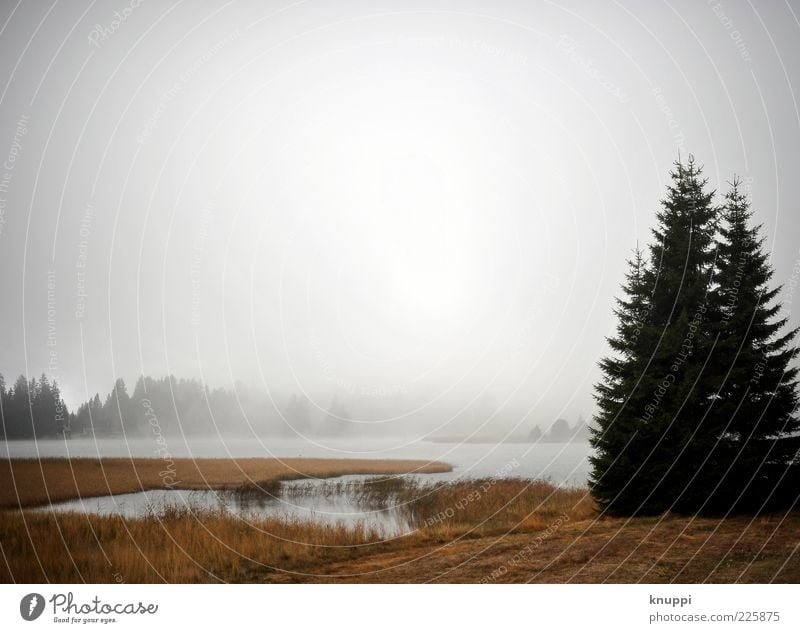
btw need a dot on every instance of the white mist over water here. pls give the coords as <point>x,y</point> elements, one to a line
<point>563,464</point>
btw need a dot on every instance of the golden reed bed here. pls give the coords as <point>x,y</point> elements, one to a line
<point>202,545</point>
<point>30,482</point>
<point>497,530</point>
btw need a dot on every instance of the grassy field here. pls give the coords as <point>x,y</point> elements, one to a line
<point>653,550</point>
<point>28,482</point>
<point>183,545</point>
<point>486,530</point>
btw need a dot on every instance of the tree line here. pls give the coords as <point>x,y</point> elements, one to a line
<point>163,406</point>
<point>697,405</point>
<point>32,408</point>
<point>561,432</point>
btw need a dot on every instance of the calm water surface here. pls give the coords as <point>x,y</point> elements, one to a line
<point>563,464</point>
<point>310,506</point>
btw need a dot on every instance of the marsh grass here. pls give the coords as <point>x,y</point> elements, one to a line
<point>30,482</point>
<point>480,505</point>
<point>369,493</point>
<point>173,544</point>
<point>467,531</point>
<point>187,544</point>
<point>486,506</point>
<point>269,488</point>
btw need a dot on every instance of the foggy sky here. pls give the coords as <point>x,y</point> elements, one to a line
<point>405,202</point>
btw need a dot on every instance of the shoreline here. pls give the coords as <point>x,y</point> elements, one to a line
<point>29,482</point>
<point>477,531</point>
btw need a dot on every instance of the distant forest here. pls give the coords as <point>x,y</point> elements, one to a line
<point>32,408</point>
<point>186,407</point>
<point>561,432</point>
<point>167,406</point>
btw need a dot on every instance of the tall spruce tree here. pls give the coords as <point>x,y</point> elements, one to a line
<point>653,398</point>
<point>697,406</point>
<point>615,433</point>
<point>757,399</point>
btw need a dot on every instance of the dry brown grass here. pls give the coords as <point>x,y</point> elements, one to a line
<point>506,530</point>
<point>205,546</point>
<point>28,482</point>
<point>653,550</point>
<point>181,546</point>
<point>486,506</point>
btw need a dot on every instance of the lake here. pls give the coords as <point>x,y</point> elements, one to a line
<point>562,464</point>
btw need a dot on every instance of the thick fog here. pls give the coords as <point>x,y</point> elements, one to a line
<point>414,212</point>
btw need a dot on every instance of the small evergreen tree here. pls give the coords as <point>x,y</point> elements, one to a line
<point>79,421</point>
<point>297,414</point>
<point>19,414</point>
<point>559,431</point>
<point>116,410</point>
<point>48,409</point>
<point>61,416</point>
<point>4,403</point>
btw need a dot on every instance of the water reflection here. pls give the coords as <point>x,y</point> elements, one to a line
<point>329,502</point>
